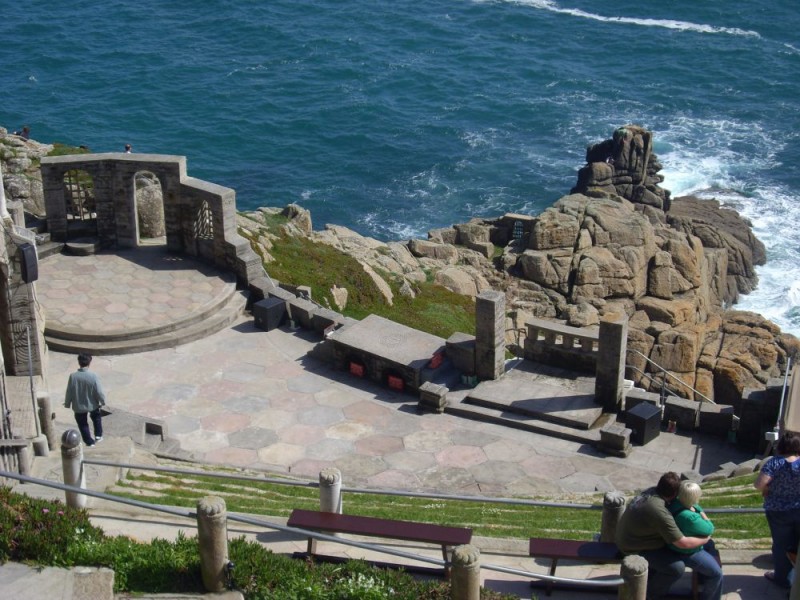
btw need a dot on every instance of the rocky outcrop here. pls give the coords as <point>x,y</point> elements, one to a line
<point>21,176</point>
<point>617,242</point>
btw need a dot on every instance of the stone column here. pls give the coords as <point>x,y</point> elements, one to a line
<point>634,573</point>
<point>611,354</point>
<point>490,335</point>
<point>613,507</point>
<point>330,490</point>
<point>465,578</point>
<point>72,467</point>
<point>212,535</point>
<point>46,416</point>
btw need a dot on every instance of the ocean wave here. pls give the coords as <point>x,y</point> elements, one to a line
<point>733,163</point>
<point>551,6</point>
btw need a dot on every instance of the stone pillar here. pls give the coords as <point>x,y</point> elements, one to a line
<point>634,573</point>
<point>72,467</point>
<point>212,535</point>
<point>490,335</point>
<point>613,507</point>
<point>330,490</point>
<point>465,578</point>
<point>46,416</point>
<point>24,460</point>
<point>3,208</point>
<point>611,353</point>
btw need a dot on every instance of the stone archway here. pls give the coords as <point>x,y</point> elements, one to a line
<point>80,204</point>
<point>149,203</point>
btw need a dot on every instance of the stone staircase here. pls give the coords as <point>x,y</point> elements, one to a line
<point>215,316</point>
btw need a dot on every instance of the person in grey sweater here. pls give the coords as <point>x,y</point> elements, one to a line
<point>85,396</point>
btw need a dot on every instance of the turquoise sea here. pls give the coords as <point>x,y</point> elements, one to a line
<point>396,117</point>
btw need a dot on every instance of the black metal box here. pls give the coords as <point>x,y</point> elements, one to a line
<point>644,421</point>
<point>269,313</point>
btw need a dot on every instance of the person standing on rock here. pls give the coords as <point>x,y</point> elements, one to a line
<point>85,396</point>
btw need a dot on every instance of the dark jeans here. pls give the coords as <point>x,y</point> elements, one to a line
<point>82,419</point>
<point>705,563</point>
<point>785,528</point>
<point>665,567</point>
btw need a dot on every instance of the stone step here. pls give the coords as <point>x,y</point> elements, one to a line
<point>524,422</point>
<point>587,419</point>
<point>229,292</point>
<point>103,344</point>
<point>23,582</point>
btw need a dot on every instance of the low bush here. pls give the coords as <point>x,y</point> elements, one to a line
<point>48,533</point>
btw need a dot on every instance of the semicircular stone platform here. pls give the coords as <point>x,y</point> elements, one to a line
<point>124,301</point>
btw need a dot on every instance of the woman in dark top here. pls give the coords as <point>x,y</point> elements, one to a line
<point>779,482</point>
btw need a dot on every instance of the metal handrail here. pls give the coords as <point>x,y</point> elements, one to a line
<point>668,374</point>
<point>600,582</point>
<point>313,484</point>
<point>780,425</point>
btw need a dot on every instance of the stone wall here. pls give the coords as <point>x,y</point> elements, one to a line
<point>199,217</point>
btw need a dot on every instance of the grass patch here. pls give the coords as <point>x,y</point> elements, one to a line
<point>300,261</point>
<point>486,518</point>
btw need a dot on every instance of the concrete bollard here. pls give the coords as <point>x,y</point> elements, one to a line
<point>41,447</point>
<point>330,490</point>
<point>465,576</point>
<point>613,507</point>
<point>46,417</point>
<point>72,467</point>
<point>212,535</point>
<point>24,460</point>
<point>634,573</point>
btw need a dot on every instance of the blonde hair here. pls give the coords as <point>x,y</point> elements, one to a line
<point>689,493</point>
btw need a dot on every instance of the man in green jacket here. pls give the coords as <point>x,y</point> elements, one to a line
<point>85,396</point>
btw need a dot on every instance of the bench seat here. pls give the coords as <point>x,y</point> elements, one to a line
<point>441,535</point>
<point>581,551</point>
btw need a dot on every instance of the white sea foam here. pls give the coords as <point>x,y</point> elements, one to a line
<point>551,6</point>
<point>731,163</point>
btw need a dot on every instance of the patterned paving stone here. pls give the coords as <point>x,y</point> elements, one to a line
<point>548,467</point>
<point>246,404</point>
<point>496,472</point>
<point>239,457</point>
<point>281,454</point>
<point>407,460</point>
<point>327,449</point>
<point>394,480</point>
<point>347,430</point>
<point>378,445</point>
<point>302,435</point>
<point>225,422</point>
<point>320,415</point>
<point>253,438</point>
<point>461,456</point>
<point>427,441</point>
<point>177,424</point>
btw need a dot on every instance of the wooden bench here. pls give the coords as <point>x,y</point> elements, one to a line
<point>441,535</point>
<point>591,552</point>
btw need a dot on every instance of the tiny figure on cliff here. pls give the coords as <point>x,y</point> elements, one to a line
<point>128,148</point>
<point>85,396</point>
<point>24,133</point>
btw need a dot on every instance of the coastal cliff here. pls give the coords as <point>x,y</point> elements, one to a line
<point>618,243</point>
